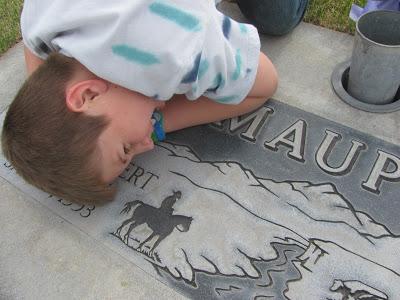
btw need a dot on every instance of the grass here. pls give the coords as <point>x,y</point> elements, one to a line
<point>332,14</point>
<point>9,23</point>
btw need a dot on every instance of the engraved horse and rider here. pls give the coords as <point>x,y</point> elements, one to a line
<point>160,220</point>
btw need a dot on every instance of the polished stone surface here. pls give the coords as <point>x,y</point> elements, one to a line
<point>217,210</point>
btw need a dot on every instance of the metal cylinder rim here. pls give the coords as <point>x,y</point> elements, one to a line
<point>368,39</point>
<point>343,94</point>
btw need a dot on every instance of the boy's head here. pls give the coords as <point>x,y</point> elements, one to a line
<point>71,133</point>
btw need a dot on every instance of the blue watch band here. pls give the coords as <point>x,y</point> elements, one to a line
<point>158,134</point>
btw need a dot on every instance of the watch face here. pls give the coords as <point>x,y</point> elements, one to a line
<point>156,117</point>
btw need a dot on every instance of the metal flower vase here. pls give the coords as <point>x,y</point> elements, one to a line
<point>371,79</point>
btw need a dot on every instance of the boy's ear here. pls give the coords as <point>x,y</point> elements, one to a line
<point>81,94</point>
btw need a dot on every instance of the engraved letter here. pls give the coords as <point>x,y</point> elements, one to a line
<point>8,165</point>
<point>139,172</point>
<point>326,148</point>
<point>381,171</point>
<point>257,120</point>
<point>132,171</point>
<point>217,125</point>
<point>147,181</point>
<point>298,134</point>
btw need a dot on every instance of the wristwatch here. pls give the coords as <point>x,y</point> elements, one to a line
<point>158,133</point>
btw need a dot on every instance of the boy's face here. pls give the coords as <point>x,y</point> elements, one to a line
<point>128,132</point>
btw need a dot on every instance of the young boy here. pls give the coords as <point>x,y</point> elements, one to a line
<point>99,69</point>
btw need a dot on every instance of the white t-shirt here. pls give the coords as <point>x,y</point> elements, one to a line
<point>158,48</point>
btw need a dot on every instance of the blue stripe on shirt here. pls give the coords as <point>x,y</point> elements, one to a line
<point>176,15</point>
<point>135,55</point>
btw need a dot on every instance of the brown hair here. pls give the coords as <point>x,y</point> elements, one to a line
<point>48,145</point>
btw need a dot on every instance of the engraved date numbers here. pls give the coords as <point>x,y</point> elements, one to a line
<point>83,210</point>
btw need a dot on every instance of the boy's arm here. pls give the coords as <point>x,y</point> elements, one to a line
<point>181,113</point>
<point>32,61</point>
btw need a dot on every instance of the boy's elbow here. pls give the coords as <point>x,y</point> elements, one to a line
<point>266,82</point>
<point>271,82</point>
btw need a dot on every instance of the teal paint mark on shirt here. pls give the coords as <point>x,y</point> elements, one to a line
<point>135,55</point>
<point>238,58</point>
<point>219,82</point>
<point>243,28</point>
<point>226,26</point>
<point>176,15</point>
<point>202,68</point>
<point>194,88</point>
<point>226,99</point>
<point>191,76</point>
